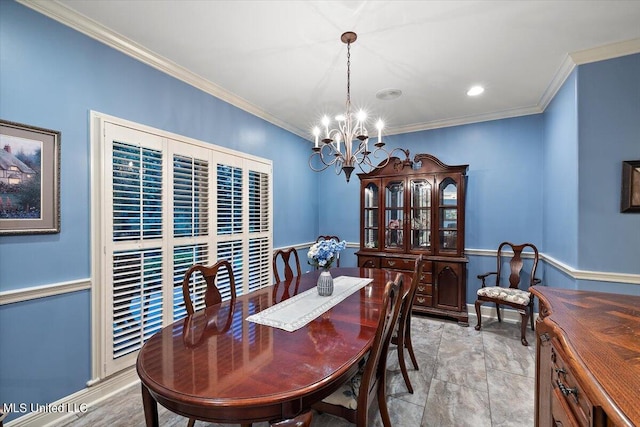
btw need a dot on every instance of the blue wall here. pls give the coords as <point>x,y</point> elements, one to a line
<point>609,132</point>
<point>52,76</point>
<point>560,178</point>
<point>525,182</point>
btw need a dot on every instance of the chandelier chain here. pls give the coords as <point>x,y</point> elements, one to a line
<point>348,76</point>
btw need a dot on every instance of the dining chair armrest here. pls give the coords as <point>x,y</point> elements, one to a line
<point>484,276</point>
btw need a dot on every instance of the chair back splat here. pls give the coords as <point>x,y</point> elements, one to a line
<point>519,299</point>
<point>287,257</point>
<point>212,294</point>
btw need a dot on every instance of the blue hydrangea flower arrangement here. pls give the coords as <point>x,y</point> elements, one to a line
<point>323,253</point>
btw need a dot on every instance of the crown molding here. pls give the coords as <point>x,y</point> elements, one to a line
<point>459,121</point>
<point>61,13</point>
<point>567,66</point>
<point>602,53</point>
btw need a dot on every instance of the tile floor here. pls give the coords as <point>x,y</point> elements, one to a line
<point>466,378</point>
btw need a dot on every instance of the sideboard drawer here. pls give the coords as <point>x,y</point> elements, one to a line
<point>398,263</point>
<point>560,413</point>
<point>568,390</point>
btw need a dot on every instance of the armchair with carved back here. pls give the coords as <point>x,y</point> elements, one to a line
<point>510,294</point>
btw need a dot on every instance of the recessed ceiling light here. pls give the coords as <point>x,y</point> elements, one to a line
<point>388,94</point>
<point>475,91</point>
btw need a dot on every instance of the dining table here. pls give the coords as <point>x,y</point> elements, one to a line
<point>217,366</point>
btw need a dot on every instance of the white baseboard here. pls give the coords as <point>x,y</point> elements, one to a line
<point>84,398</point>
<point>488,312</point>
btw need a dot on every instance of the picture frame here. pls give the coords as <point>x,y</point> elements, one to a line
<point>29,179</point>
<point>630,198</point>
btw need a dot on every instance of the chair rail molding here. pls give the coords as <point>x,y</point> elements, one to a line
<point>574,273</point>
<point>33,292</point>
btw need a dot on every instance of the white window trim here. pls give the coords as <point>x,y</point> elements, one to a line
<point>98,238</point>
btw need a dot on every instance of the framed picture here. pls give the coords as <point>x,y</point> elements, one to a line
<point>630,200</point>
<point>29,179</point>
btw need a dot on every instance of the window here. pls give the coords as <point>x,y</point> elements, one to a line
<point>163,203</point>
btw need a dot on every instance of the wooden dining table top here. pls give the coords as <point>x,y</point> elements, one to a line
<point>216,366</point>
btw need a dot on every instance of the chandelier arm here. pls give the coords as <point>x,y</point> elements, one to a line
<point>321,157</point>
<point>317,169</point>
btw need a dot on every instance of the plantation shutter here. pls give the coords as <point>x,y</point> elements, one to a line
<point>259,230</point>
<point>191,222</point>
<point>134,214</point>
<point>164,205</point>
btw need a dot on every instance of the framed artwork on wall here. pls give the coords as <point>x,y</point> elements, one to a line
<point>630,199</point>
<point>29,179</point>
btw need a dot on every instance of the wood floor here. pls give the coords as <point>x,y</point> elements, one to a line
<point>466,378</point>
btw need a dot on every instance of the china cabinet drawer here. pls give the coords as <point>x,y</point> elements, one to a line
<point>398,263</point>
<point>368,261</point>
<point>427,274</point>
<point>422,300</point>
<point>424,289</point>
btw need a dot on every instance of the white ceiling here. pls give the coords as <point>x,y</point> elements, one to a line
<point>284,61</point>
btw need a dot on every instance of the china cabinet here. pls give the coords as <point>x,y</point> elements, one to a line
<point>412,207</point>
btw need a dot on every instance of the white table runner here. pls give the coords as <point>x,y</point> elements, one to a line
<point>297,311</point>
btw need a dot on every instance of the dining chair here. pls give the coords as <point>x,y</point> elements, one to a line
<point>337,239</point>
<point>402,338</point>
<point>285,256</point>
<point>194,277</point>
<point>519,299</point>
<point>198,274</point>
<point>302,420</point>
<point>352,400</point>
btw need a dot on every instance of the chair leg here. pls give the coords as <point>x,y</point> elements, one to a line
<point>531,312</point>
<point>382,403</point>
<point>523,327</point>
<point>498,312</point>
<point>191,422</point>
<point>409,346</point>
<point>403,365</point>
<point>478,315</point>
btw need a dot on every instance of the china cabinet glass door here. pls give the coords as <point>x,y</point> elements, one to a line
<point>448,215</point>
<point>394,214</point>
<point>420,215</point>
<point>370,216</point>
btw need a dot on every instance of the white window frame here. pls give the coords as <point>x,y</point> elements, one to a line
<point>103,364</point>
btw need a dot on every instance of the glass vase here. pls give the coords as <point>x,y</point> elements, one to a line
<point>325,284</point>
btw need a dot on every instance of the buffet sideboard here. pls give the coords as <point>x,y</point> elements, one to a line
<point>587,358</point>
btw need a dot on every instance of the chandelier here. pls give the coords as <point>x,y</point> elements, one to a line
<point>346,145</point>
